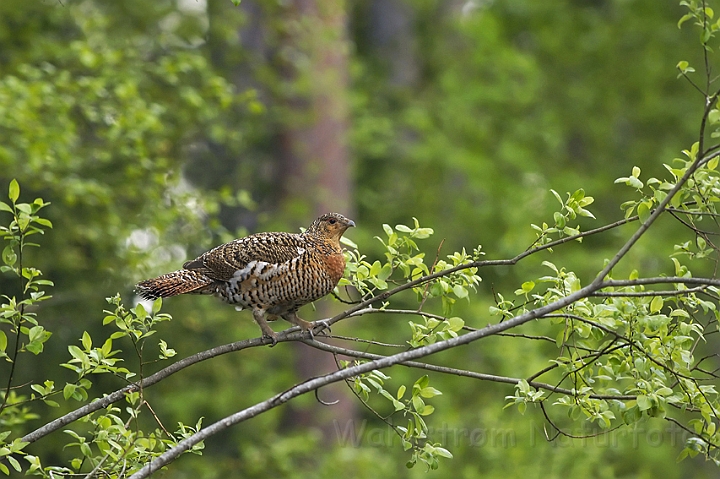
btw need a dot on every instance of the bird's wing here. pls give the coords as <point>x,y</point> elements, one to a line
<point>222,262</point>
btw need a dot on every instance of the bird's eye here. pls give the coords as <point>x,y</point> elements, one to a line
<point>332,221</point>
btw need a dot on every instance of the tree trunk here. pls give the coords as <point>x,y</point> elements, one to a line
<point>315,162</point>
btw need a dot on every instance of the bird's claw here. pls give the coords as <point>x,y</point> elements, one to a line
<point>271,337</point>
<point>323,325</point>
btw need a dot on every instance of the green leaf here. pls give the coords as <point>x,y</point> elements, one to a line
<point>713,163</point>
<point>557,197</point>
<point>5,207</point>
<point>401,391</point>
<point>76,352</point>
<point>3,341</point>
<point>635,182</point>
<point>656,304</point>
<point>348,242</point>
<point>156,306</point>
<point>418,403</point>
<point>455,324</point>
<point>385,272</point>
<point>429,392</point>
<point>14,191</point>
<point>422,382</point>
<point>682,20</point>
<point>69,390</point>
<point>713,116</point>
<point>460,291</point>
<point>37,336</point>
<point>36,333</point>
<point>644,403</point>
<point>643,212</point>
<point>14,463</point>
<point>86,341</point>
<point>426,410</point>
<point>9,256</point>
<point>38,388</point>
<point>664,391</point>
<point>140,312</point>
<point>107,347</point>
<point>423,233</point>
<point>85,449</point>
<point>442,452</point>
<point>43,222</point>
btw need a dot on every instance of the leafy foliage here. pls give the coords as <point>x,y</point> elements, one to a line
<point>27,335</point>
<point>617,350</point>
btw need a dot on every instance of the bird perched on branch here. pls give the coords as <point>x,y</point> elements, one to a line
<point>274,274</point>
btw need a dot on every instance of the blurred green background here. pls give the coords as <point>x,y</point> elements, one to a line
<point>160,129</point>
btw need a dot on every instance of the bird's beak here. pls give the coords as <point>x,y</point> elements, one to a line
<point>351,223</point>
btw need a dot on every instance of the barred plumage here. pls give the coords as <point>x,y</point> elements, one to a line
<point>274,274</point>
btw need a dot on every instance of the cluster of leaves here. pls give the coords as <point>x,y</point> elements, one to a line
<point>570,210</point>
<point>102,124</point>
<point>630,342</point>
<point>702,16</point>
<point>115,444</point>
<point>25,222</point>
<point>413,408</point>
<point>693,204</point>
<point>110,442</point>
<point>434,329</point>
<point>447,279</point>
<point>114,448</point>
<point>405,262</point>
<point>21,331</point>
<point>136,324</point>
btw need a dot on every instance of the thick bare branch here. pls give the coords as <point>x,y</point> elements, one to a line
<point>361,308</point>
<point>660,209</point>
<point>150,380</point>
<point>312,384</point>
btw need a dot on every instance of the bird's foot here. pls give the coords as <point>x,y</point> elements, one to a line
<point>322,325</point>
<point>272,337</point>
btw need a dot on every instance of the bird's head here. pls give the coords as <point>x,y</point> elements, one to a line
<point>330,226</point>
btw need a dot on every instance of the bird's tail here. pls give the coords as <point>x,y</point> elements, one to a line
<point>177,282</point>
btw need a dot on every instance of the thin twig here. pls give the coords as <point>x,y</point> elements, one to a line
<point>368,341</point>
<point>460,372</point>
<point>560,432</point>
<point>692,433</point>
<point>672,292</point>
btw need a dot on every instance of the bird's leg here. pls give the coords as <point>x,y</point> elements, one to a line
<point>293,318</point>
<point>259,316</point>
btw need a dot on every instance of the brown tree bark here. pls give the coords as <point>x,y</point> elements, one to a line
<point>316,172</point>
<point>296,55</point>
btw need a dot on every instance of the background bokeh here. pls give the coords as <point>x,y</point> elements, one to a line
<point>159,129</point>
